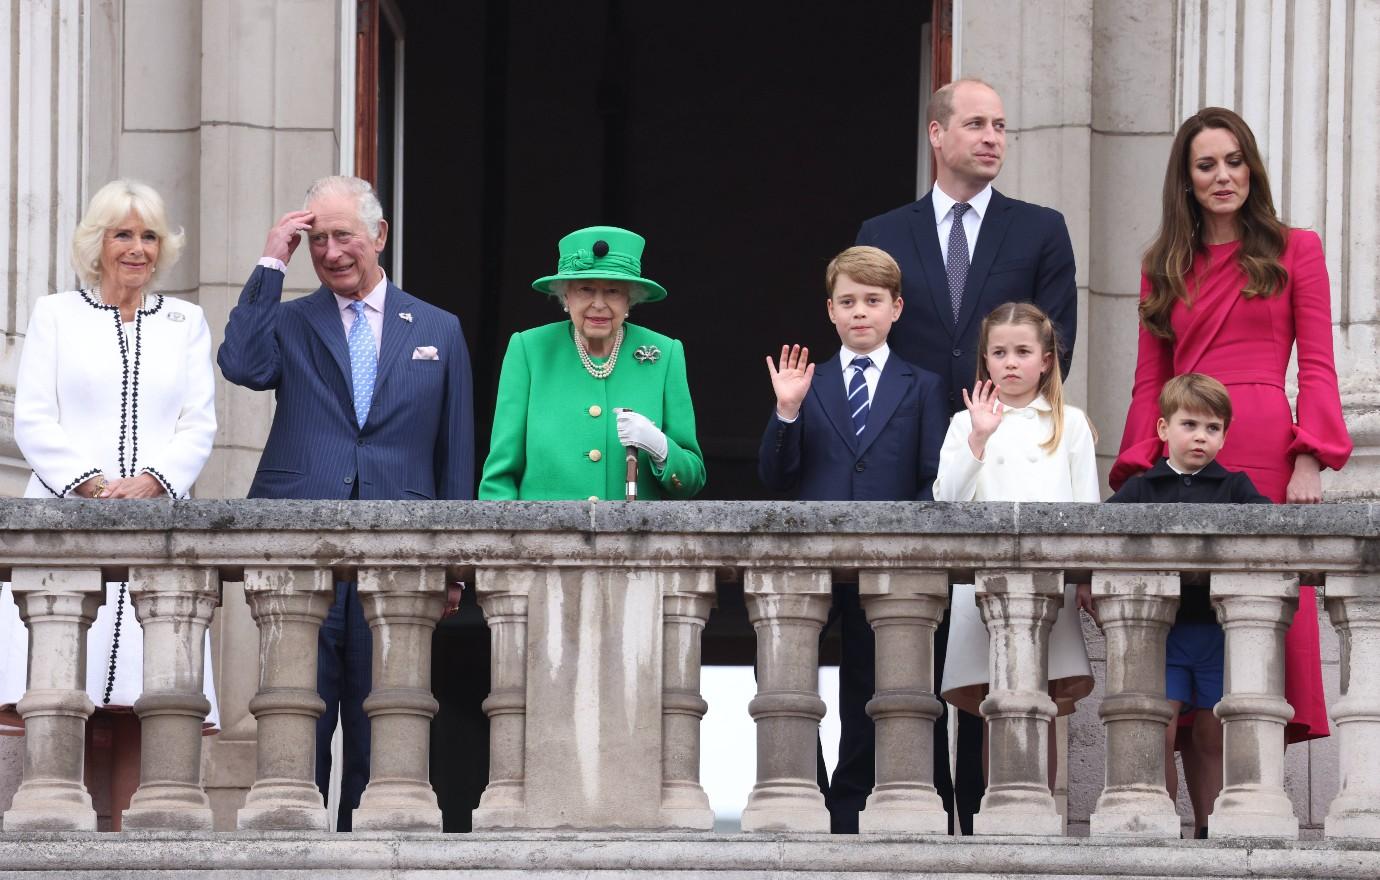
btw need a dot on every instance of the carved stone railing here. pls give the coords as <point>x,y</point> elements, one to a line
<point>596,612</point>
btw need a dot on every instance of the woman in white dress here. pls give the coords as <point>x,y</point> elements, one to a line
<point>115,398</point>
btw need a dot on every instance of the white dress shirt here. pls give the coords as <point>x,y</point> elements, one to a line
<point>972,220</point>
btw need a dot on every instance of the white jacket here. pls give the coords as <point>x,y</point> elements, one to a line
<point>95,396</point>
<point>1013,466</point>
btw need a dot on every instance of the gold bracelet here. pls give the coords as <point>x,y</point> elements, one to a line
<point>98,491</point>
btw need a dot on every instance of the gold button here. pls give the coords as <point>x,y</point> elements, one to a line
<point>594,498</point>
<point>595,411</point>
<point>595,455</point>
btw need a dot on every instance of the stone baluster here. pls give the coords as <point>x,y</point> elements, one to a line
<point>402,606</point>
<point>787,609</point>
<point>1353,603</point>
<point>904,607</point>
<point>1255,609</point>
<point>686,600</point>
<point>174,607</point>
<point>1019,607</point>
<point>1136,609</point>
<point>503,596</point>
<point>288,604</point>
<point>58,605</point>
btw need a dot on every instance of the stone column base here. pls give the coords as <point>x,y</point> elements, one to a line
<point>1041,824</point>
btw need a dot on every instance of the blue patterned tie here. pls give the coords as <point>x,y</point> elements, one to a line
<point>956,263</point>
<point>858,402</point>
<point>364,362</point>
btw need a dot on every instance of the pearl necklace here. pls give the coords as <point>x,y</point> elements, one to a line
<point>143,301</point>
<point>600,371</point>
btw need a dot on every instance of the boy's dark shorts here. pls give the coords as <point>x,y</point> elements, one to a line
<point>1195,654</point>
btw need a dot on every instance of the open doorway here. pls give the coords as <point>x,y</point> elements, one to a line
<point>746,141</point>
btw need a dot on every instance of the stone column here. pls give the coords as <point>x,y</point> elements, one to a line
<point>904,607</point>
<point>1255,609</point>
<point>1136,609</point>
<point>685,602</point>
<point>1019,607</point>
<point>1353,603</point>
<point>58,605</point>
<point>787,609</point>
<point>174,607</point>
<point>402,606</point>
<point>503,598</point>
<point>288,604</point>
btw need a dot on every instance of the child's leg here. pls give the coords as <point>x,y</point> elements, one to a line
<point>1178,688</point>
<point>1207,775</point>
<point>1207,645</point>
<point>1171,772</point>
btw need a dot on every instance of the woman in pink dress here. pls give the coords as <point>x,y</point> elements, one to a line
<point>1228,290</point>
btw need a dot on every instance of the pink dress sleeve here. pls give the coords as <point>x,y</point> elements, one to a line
<point>1140,444</point>
<point>1320,429</point>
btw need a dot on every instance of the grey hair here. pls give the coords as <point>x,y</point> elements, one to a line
<point>636,292</point>
<point>109,207</point>
<point>367,203</point>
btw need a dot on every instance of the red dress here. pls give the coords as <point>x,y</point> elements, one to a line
<point>1245,344</point>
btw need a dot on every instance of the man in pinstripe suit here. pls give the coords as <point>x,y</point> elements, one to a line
<point>374,402</point>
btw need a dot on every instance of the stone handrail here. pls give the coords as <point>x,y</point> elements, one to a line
<point>606,601</point>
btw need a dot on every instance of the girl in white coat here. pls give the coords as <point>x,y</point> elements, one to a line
<point>1017,441</point>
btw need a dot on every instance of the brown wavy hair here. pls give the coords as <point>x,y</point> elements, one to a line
<point>1180,235</point>
<point>1051,381</point>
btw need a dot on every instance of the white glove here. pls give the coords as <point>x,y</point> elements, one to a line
<point>638,430</point>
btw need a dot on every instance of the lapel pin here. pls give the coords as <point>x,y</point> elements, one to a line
<point>406,316</point>
<point>176,316</point>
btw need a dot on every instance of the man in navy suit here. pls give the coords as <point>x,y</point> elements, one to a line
<point>965,249</point>
<point>868,428</point>
<point>374,402</point>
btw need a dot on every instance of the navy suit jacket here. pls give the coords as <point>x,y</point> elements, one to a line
<point>418,442</point>
<point>1023,253</point>
<point>818,458</point>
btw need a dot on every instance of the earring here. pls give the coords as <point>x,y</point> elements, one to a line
<point>1188,187</point>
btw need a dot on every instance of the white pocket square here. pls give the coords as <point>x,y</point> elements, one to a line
<point>425,353</point>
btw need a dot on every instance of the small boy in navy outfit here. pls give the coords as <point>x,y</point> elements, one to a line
<point>1195,412</point>
<point>867,428</point>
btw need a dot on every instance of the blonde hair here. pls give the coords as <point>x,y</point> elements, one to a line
<point>109,207</point>
<point>865,265</point>
<point>1051,382</point>
<point>1196,393</point>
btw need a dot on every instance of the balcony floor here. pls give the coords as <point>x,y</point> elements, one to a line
<point>247,855</point>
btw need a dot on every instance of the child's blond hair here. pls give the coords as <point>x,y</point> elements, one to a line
<point>1051,382</point>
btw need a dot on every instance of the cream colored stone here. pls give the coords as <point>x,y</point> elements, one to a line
<point>686,600</point>
<point>1353,602</point>
<point>787,608</point>
<point>237,62</point>
<point>288,605</point>
<point>1133,72</point>
<point>904,607</point>
<point>174,606</point>
<point>305,38</point>
<point>1255,610</point>
<point>1019,607</point>
<point>1136,610</point>
<point>503,595</point>
<point>57,606</point>
<point>162,65</point>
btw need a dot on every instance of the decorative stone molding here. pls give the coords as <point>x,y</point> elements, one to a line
<point>1353,603</point>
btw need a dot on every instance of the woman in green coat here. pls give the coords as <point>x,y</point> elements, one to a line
<point>574,394</point>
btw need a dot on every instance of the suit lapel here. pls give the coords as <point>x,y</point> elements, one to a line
<point>990,237</point>
<point>828,389</point>
<point>397,336</point>
<point>324,317</point>
<point>892,388</point>
<point>926,234</point>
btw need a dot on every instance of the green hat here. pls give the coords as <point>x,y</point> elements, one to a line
<point>605,252</point>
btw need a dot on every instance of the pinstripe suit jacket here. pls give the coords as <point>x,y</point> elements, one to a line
<point>418,441</point>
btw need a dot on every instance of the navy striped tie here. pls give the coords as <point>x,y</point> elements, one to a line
<point>858,402</point>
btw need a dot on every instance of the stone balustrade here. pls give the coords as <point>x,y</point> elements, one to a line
<point>596,612</point>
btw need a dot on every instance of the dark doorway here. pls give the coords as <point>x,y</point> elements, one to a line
<point>746,141</point>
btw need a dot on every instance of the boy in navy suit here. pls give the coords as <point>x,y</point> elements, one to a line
<point>1195,412</point>
<point>868,428</point>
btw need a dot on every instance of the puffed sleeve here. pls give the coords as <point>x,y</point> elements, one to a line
<point>37,429</point>
<point>179,462</point>
<point>1140,444</point>
<point>1321,430</point>
<point>682,474</point>
<point>1078,439</point>
<point>958,468</point>
<point>507,459</point>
